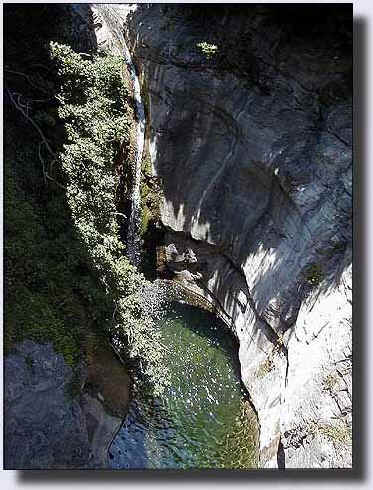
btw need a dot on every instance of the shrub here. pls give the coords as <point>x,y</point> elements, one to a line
<point>39,262</point>
<point>339,432</point>
<point>92,105</point>
<point>50,293</point>
<point>207,49</point>
<point>330,381</point>
<point>264,368</point>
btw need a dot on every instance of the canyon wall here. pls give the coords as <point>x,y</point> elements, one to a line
<point>250,135</point>
<point>57,417</point>
<point>65,391</point>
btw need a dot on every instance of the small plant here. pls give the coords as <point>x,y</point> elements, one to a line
<point>145,218</point>
<point>339,433</point>
<point>209,50</point>
<point>279,345</point>
<point>264,368</point>
<point>314,274</point>
<point>329,382</point>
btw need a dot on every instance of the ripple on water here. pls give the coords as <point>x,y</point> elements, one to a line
<point>192,425</point>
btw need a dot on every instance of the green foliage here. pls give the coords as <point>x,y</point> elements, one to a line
<point>41,259</point>
<point>145,218</point>
<point>338,432</point>
<point>50,295</point>
<point>151,232</point>
<point>264,368</point>
<point>209,50</point>
<point>314,274</point>
<point>92,98</point>
<point>150,196</point>
<point>330,381</point>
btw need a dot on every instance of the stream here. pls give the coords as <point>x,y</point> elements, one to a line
<point>114,18</point>
<point>132,241</point>
<point>203,420</point>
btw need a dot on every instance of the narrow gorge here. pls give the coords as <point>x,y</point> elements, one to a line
<point>228,188</point>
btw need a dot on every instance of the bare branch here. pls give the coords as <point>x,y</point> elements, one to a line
<point>55,181</point>
<point>20,108</point>
<point>42,161</point>
<point>27,78</point>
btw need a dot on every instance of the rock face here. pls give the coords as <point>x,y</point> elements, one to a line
<point>42,428</point>
<point>57,419</point>
<point>253,146</point>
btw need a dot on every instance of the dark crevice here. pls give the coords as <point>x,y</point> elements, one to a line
<point>280,456</point>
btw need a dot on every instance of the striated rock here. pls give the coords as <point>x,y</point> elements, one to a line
<point>323,331</point>
<point>82,28</point>
<point>253,147</point>
<point>56,418</point>
<point>43,427</point>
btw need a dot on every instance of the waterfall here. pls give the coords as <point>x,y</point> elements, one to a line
<point>133,239</point>
<point>114,17</point>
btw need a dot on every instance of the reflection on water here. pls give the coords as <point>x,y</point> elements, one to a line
<point>199,422</point>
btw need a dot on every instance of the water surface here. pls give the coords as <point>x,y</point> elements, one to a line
<point>202,419</point>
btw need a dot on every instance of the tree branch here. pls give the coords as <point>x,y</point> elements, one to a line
<point>20,108</point>
<point>27,78</point>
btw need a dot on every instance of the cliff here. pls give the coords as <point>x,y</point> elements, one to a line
<point>57,417</point>
<point>250,135</point>
<point>65,391</point>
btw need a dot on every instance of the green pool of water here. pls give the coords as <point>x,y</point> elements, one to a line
<point>204,419</point>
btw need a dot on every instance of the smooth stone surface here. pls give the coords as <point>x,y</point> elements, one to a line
<point>256,177</point>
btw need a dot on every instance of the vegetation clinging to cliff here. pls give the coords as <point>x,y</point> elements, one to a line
<point>49,294</point>
<point>207,49</point>
<point>92,98</point>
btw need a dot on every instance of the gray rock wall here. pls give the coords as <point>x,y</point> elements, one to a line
<point>55,417</point>
<point>253,147</point>
<point>43,426</point>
